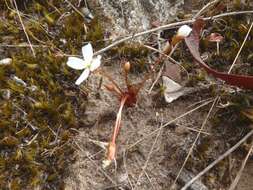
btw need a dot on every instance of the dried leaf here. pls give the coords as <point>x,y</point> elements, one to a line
<point>248,113</point>
<point>9,141</point>
<point>192,43</point>
<point>172,91</point>
<point>173,71</point>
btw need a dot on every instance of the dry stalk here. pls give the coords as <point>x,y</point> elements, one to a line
<point>239,174</point>
<point>169,26</point>
<point>216,99</point>
<point>24,29</point>
<point>210,166</point>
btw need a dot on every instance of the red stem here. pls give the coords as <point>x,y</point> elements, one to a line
<point>111,80</point>
<point>118,119</point>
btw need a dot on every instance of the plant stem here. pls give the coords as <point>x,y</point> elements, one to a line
<point>126,80</point>
<point>103,73</point>
<point>118,119</point>
<point>111,150</point>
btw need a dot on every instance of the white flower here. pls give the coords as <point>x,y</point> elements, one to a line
<point>184,31</point>
<point>88,63</point>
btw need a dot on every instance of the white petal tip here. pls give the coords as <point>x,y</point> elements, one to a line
<point>83,77</point>
<point>87,52</point>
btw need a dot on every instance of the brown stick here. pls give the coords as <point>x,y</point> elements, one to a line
<point>210,166</point>
<point>168,26</point>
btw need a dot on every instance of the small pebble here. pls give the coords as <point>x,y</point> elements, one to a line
<point>5,94</point>
<point>19,80</point>
<point>6,61</point>
<point>88,15</point>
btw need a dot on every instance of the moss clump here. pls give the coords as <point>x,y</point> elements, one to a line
<point>96,33</point>
<point>35,123</point>
<point>37,117</point>
<point>73,27</point>
<point>135,53</point>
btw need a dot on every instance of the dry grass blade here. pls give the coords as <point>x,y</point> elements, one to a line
<point>95,164</point>
<point>210,166</point>
<point>216,99</point>
<point>162,67</point>
<point>238,176</point>
<point>126,169</point>
<point>149,156</point>
<point>168,26</point>
<point>244,41</point>
<point>170,122</point>
<point>195,141</point>
<point>208,5</point>
<point>81,14</point>
<point>23,26</point>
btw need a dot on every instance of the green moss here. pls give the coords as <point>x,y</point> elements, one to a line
<point>131,51</point>
<point>73,27</point>
<point>96,33</point>
<point>135,53</point>
<point>32,118</point>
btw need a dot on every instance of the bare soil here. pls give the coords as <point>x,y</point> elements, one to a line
<point>61,152</point>
<point>152,160</point>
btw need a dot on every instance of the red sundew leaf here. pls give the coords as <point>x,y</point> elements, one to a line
<point>192,42</point>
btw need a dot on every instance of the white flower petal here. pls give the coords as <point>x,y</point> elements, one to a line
<point>184,31</point>
<point>83,77</point>
<point>87,53</point>
<point>76,63</point>
<point>95,63</point>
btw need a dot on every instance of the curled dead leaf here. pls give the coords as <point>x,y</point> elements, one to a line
<point>192,42</point>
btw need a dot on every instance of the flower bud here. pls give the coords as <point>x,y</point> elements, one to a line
<point>184,31</point>
<point>127,67</point>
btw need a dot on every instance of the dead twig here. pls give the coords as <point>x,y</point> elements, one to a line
<point>210,166</point>
<point>168,26</point>
<point>149,156</point>
<point>195,141</point>
<point>208,5</point>
<point>238,53</point>
<point>23,26</point>
<point>170,122</point>
<point>215,101</point>
<point>238,176</point>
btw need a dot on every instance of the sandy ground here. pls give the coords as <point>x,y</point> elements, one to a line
<point>154,162</point>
